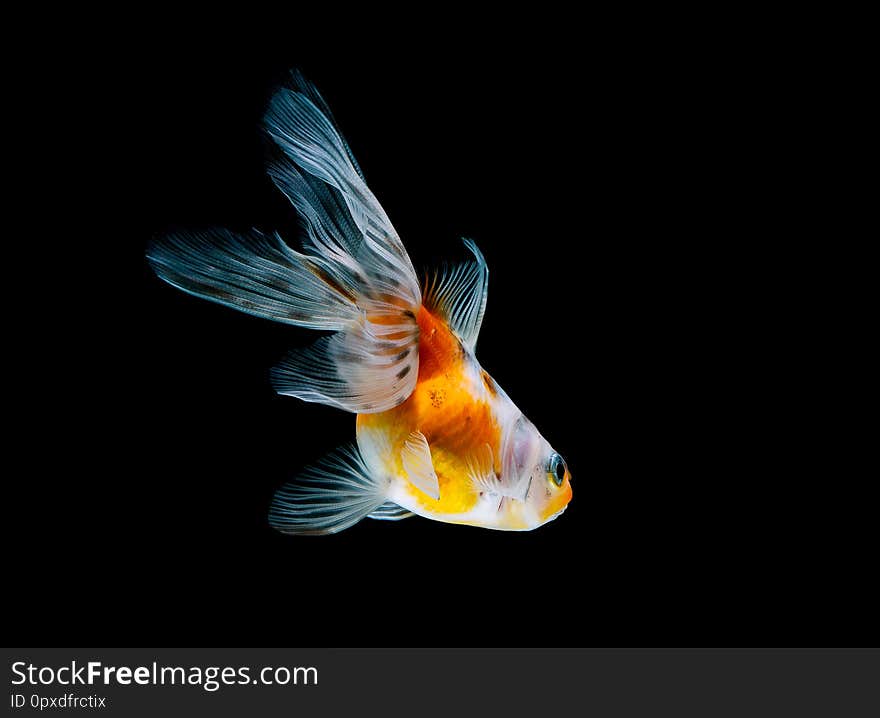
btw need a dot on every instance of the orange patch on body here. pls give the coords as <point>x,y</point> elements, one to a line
<point>455,421</point>
<point>439,349</point>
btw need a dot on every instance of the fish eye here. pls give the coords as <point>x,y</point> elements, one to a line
<point>556,469</point>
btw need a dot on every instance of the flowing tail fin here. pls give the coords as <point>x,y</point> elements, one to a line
<point>353,277</point>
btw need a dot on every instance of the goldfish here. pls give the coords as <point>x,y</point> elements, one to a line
<point>436,436</point>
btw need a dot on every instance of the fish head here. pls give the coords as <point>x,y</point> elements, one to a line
<point>540,472</point>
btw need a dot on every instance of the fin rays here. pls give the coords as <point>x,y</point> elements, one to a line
<point>328,497</point>
<point>254,273</point>
<point>355,277</point>
<point>459,294</point>
<point>418,465</point>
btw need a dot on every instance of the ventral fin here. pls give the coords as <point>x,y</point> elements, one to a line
<point>417,464</point>
<point>458,293</point>
<point>481,470</point>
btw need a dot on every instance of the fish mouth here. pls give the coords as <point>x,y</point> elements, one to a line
<point>556,515</point>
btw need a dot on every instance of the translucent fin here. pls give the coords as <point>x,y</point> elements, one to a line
<point>373,365</point>
<point>299,83</point>
<point>459,294</point>
<point>313,148</point>
<point>370,368</point>
<point>481,471</point>
<point>417,464</point>
<point>389,511</point>
<point>355,277</point>
<point>255,273</point>
<point>328,497</point>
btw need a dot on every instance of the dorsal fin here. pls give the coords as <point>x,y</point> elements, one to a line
<point>458,294</point>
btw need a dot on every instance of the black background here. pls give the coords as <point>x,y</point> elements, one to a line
<point>633,315</point>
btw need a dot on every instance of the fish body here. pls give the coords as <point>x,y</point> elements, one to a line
<point>436,435</point>
<point>464,417</point>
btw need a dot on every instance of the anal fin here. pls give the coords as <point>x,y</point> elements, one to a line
<point>329,496</point>
<point>389,511</point>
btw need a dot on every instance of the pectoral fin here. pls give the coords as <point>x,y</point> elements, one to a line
<point>481,468</point>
